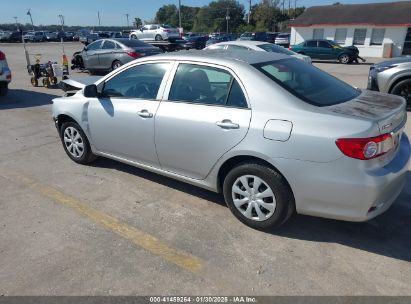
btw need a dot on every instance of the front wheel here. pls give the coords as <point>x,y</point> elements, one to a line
<point>133,37</point>
<point>116,64</point>
<point>258,196</point>
<point>403,89</point>
<point>344,58</point>
<point>75,143</point>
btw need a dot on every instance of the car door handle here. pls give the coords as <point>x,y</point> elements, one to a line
<point>227,124</point>
<point>145,114</point>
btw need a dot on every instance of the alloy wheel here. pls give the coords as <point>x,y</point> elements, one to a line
<point>253,198</point>
<point>406,93</point>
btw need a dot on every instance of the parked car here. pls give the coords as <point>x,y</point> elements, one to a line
<point>283,39</point>
<point>14,37</point>
<point>37,36</point>
<point>69,36</point>
<point>51,36</point>
<point>254,36</point>
<point>5,75</point>
<point>155,32</point>
<point>218,39</point>
<point>326,49</point>
<point>392,76</point>
<point>114,35</point>
<point>110,54</point>
<point>257,46</point>
<point>195,42</point>
<point>90,38</point>
<point>271,36</point>
<point>299,141</point>
<point>4,36</point>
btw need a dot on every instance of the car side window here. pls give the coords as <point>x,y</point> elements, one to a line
<point>108,45</point>
<point>94,46</point>
<point>311,43</point>
<point>236,47</point>
<point>206,85</point>
<point>324,44</point>
<point>138,82</point>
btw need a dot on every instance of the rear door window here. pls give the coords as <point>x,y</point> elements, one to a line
<point>206,85</point>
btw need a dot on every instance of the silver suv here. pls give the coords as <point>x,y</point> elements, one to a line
<point>5,75</point>
<point>392,76</point>
<point>155,32</point>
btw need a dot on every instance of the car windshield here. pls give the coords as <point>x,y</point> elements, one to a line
<point>307,82</point>
<point>269,47</point>
<point>283,35</point>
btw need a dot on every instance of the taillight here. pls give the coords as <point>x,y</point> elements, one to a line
<point>2,56</point>
<point>167,31</point>
<point>8,77</point>
<point>366,148</point>
<point>134,54</point>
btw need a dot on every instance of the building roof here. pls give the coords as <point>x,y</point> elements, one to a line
<point>380,14</point>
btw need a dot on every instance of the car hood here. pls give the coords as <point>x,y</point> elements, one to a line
<point>393,61</point>
<point>385,109</point>
<point>78,83</point>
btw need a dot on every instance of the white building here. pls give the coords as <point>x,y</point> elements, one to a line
<point>377,29</point>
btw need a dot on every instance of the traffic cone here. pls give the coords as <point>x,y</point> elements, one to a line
<point>65,66</point>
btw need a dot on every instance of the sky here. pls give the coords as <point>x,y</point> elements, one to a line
<point>112,12</point>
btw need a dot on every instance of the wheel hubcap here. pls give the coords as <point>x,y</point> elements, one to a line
<point>74,142</point>
<point>406,93</point>
<point>253,198</point>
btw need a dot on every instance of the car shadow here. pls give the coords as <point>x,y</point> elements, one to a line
<point>388,234</point>
<point>25,99</point>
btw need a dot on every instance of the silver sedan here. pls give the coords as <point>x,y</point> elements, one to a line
<point>256,46</point>
<point>274,135</point>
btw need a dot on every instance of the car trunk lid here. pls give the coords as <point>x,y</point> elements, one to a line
<point>388,111</point>
<point>148,51</point>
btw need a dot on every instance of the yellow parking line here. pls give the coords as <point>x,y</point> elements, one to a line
<point>138,237</point>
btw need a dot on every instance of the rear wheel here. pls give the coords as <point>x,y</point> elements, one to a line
<point>4,88</point>
<point>75,143</point>
<point>133,37</point>
<point>34,81</point>
<point>403,88</point>
<point>344,58</point>
<point>158,38</point>
<point>115,65</point>
<point>258,195</point>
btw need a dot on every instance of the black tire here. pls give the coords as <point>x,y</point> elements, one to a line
<point>4,88</point>
<point>87,156</point>
<point>403,88</point>
<point>344,58</point>
<point>116,64</point>
<point>54,80</point>
<point>158,38</point>
<point>46,82</point>
<point>285,205</point>
<point>133,37</point>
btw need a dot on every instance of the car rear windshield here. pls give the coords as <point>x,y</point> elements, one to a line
<point>269,47</point>
<point>133,43</point>
<point>307,82</point>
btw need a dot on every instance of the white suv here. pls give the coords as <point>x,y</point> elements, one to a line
<point>5,75</point>
<point>155,32</point>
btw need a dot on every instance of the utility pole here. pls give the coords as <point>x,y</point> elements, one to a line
<point>295,8</point>
<point>31,18</point>
<point>127,21</point>
<point>249,12</point>
<point>62,22</point>
<point>289,8</point>
<point>179,14</point>
<point>227,18</point>
<point>17,24</point>
<point>98,17</point>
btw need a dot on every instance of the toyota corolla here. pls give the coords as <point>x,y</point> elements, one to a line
<point>271,133</point>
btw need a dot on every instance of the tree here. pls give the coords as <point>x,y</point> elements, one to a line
<point>266,15</point>
<point>137,22</point>
<point>167,14</point>
<point>212,17</point>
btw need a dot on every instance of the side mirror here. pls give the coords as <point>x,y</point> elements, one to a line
<point>90,91</point>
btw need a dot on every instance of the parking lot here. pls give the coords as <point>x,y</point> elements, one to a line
<point>111,229</point>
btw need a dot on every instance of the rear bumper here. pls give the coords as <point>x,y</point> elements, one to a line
<point>5,75</point>
<point>345,189</point>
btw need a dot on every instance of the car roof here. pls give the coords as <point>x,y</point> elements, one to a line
<point>223,56</point>
<point>243,42</point>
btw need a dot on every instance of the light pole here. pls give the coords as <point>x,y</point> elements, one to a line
<point>98,17</point>
<point>249,12</point>
<point>227,18</point>
<point>127,20</point>
<point>62,22</point>
<point>17,24</point>
<point>179,14</point>
<point>31,18</point>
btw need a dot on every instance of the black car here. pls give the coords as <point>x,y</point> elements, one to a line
<point>195,42</point>
<point>218,39</point>
<point>254,36</point>
<point>13,37</point>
